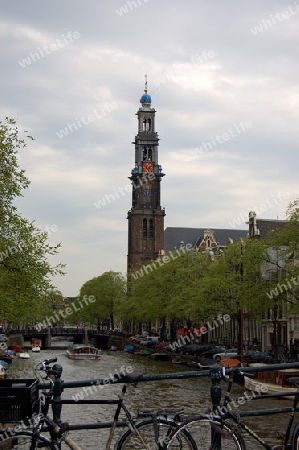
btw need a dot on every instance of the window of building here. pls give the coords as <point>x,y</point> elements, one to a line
<point>147,125</point>
<point>151,228</point>
<point>144,228</point>
<point>147,154</point>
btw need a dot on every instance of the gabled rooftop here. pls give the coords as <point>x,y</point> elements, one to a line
<point>176,237</point>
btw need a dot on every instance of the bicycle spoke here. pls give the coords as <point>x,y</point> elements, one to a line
<point>155,438</point>
<point>208,435</point>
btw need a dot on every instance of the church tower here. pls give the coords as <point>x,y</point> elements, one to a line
<point>146,217</point>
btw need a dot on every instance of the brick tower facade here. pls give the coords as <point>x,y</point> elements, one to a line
<point>146,217</point>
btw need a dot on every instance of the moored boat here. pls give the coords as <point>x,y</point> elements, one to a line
<point>82,351</point>
<point>24,354</point>
<point>206,363</point>
<point>4,364</point>
<point>129,348</point>
<point>2,372</point>
<point>113,348</point>
<point>179,360</point>
<point>8,356</point>
<point>144,352</point>
<point>3,346</point>
<point>271,382</point>
<point>193,364</point>
<point>230,362</point>
<point>160,356</point>
<point>16,348</point>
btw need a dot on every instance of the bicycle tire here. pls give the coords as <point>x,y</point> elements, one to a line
<point>131,441</point>
<point>205,432</point>
<point>295,438</point>
<point>23,441</point>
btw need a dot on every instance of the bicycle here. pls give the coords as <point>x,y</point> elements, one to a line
<point>151,432</point>
<point>220,428</point>
<point>22,405</point>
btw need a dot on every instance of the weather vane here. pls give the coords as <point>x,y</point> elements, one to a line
<point>145,84</point>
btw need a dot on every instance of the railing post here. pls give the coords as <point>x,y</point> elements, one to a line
<point>57,390</point>
<point>216,376</point>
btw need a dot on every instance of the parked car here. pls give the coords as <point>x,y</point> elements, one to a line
<point>254,356</point>
<point>149,340</point>
<point>200,349</point>
<point>189,349</point>
<point>164,345</point>
<point>3,338</point>
<point>217,350</point>
<point>228,353</point>
<point>138,338</point>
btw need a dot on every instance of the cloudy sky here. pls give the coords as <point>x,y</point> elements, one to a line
<point>223,77</point>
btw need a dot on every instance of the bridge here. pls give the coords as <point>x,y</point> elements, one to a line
<point>98,338</point>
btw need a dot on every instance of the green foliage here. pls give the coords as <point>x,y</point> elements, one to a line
<point>108,290</point>
<point>169,291</point>
<point>25,272</point>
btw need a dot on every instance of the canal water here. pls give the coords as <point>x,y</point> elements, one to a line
<point>191,394</point>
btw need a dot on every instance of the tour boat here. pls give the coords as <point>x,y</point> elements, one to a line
<point>82,351</point>
<point>271,382</point>
<point>36,345</point>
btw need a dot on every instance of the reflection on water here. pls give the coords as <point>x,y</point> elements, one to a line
<point>191,394</point>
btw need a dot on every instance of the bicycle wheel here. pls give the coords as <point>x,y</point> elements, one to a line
<point>207,433</point>
<point>23,441</point>
<point>165,428</point>
<point>295,438</point>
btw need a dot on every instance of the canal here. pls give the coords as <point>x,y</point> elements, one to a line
<point>191,394</point>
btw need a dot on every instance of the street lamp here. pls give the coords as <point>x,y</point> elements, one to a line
<point>241,308</point>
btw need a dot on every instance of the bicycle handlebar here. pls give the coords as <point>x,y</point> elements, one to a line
<point>48,361</point>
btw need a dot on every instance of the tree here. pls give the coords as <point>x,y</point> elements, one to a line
<point>106,291</point>
<point>25,272</point>
<point>168,290</point>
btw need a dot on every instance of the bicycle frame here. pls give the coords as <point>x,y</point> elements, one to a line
<point>112,425</point>
<point>172,376</point>
<point>236,417</point>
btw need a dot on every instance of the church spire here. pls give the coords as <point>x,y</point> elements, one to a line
<point>146,217</point>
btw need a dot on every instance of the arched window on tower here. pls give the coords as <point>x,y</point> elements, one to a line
<point>151,228</point>
<point>144,228</point>
<point>147,125</point>
<point>147,154</point>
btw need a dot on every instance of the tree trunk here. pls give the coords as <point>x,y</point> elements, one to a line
<point>274,343</point>
<point>173,330</point>
<point>111,321</point>
<point>163,330</point>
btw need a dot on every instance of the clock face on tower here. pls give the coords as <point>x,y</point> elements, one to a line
<point>147,167</point>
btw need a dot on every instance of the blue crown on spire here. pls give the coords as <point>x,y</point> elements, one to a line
<point>146,98</point>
